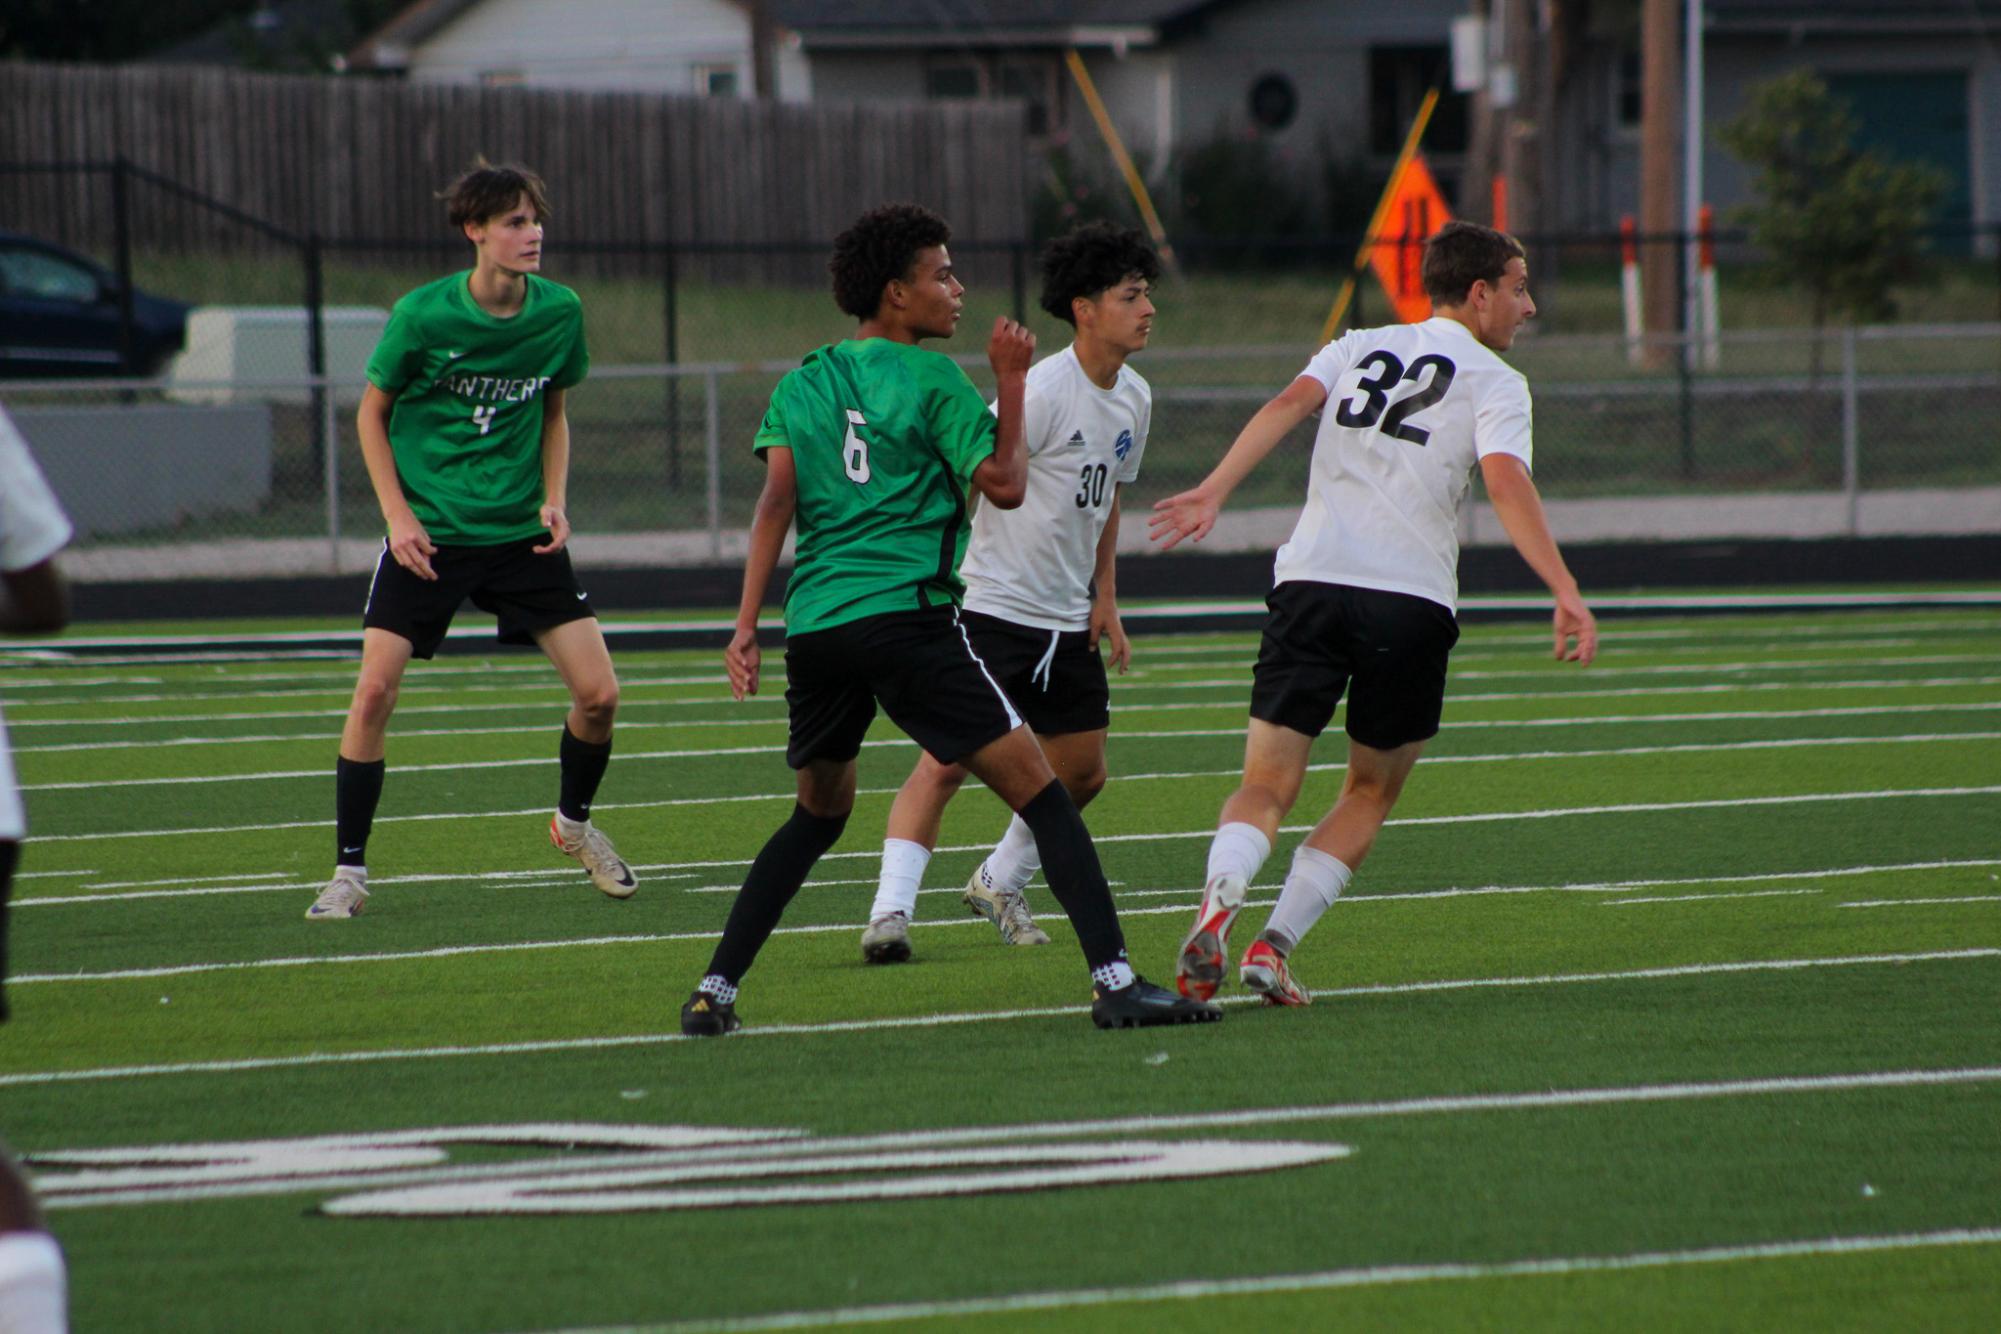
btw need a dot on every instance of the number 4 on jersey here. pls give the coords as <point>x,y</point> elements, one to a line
<point>854,451</point>
<point>484,417</point>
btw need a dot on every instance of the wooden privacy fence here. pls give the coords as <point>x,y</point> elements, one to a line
<point>356,159</point>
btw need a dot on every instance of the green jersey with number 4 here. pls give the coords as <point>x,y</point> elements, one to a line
<point>884,438</point>
<point>466,428</point>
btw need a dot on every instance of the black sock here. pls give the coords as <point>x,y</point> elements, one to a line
<point>357,789</point>
<point>583,764</point>
<point>1070,863</point>
<point>781,867</point>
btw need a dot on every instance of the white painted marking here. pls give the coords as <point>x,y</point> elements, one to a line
<point>43,1077</point>
<point>319,773</point>
<point>1325,1280</point>
<point>1626,808</point>
<point>1706,898</point>
<point>1906,903</point>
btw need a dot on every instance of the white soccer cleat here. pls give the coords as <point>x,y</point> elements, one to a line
<point>588,845</point>
<point>1206,951</point>
<point>1007,910</point>
<point>342,897</point>
<point>887,939</point>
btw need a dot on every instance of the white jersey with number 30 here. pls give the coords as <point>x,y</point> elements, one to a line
<point>1032,565</point>
<point>1410,410</point>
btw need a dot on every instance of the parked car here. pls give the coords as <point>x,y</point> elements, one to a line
<point>59,316</point>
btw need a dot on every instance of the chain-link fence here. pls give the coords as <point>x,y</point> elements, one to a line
<point>239,457</point>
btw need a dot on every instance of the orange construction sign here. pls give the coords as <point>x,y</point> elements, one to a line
<point>1414,209</point>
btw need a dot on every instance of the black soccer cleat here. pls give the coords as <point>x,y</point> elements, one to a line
<point>706,1017</point>
<point>1144,1005</point>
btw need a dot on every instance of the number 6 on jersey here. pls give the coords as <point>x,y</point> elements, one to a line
<point>854,451</point>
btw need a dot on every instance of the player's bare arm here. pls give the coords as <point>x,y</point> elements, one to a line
<point>1192,514</point>
<point>768,526</point>
<point>555,470</point>
<point>1002,476</point>
<point>1518,505</point>
<point>409,544</point>
<point>1105,622</point>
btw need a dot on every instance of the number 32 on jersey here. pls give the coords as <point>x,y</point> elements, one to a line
<point>1367,395</point>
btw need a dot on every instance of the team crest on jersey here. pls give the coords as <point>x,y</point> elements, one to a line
<point>1125,444</point>
<point>1076,440</point>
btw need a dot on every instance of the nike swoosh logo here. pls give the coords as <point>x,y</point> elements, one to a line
<point>453,356</point>
<point>582,596</point>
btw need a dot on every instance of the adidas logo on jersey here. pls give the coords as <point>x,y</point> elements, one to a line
<point>1076,440</point>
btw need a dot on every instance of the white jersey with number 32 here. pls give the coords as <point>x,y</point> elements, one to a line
<point>1410,410</point>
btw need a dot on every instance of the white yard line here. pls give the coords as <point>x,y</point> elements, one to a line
<point>1323,1281</point>
<point>319,772</point>
<point>43,1077</point>
<point>1906,903</point>
<point>1707,898</point>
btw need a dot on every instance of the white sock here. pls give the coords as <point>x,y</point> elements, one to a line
<point>1315,881</point>
<point>34,1286</point>
<point>903,864</point>
<point>1114,976</point>
<point>1238,849</point>
<point>719,987</point>
<point>1015,859</point>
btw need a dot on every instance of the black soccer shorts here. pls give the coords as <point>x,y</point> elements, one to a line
<point>527,592</point>
<point>1056,678</point>
<point>1320,639</point>
<point>919,665</point>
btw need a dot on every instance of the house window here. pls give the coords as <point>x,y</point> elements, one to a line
<point>958,79</point>
<point>715,81</point>
<point>1399,77</point>
<point>1274,102</point>
<point>1626,92</point>
<point>1035,85</point>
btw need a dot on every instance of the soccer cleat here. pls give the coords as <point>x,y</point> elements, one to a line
<point>342,897</point>
<point>887,939</point>
<point>1205,953</point>
<point>1263,970</point>
<point>1007,910</point>
<point>607,869</point>
<point>1144,1005</point>
<point>706,1017</point>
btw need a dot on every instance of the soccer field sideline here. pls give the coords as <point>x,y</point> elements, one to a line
<point>1869,714</point>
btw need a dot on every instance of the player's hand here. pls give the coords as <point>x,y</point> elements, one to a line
<point>1106,625</point>
<point>742,657</point>
<point>1010,349</point>
<point>411,547</point>
<point>1190,515</point>
<point>558,524</point>
<point>1574,621</point>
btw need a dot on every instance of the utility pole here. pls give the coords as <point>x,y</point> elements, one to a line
<point>763,53</point>
<point>1660,83</point>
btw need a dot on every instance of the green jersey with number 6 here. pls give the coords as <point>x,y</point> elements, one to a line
<point>884,438</point>
<point>466,428</point>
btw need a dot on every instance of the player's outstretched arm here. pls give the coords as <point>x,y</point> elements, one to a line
<point>555,470</point>
<point>1192,513</point>
<point>768,526</point>
<point>409,545</point>
<point>1519,507</point>
<point>1002,476</point>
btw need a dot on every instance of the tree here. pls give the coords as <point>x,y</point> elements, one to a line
<point>1840,222</point>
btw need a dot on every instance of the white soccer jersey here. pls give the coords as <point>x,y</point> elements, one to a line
<point>1032,565</point>
<point>1411,408</point>
<point>33,528</point>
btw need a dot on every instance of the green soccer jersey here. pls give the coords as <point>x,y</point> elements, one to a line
<point>884,439</point>
<point>467,425</point>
